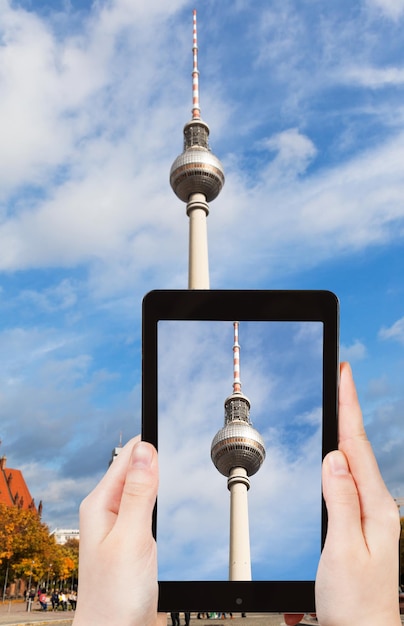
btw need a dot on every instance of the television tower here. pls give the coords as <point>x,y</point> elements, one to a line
<point>197,178</point>
<point>238,452</point>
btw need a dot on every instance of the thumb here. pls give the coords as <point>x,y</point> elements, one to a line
<point>291,619</point>
<point>140,490</point>
<point>342,500</point>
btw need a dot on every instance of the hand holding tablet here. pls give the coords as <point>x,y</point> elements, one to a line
<point>212,401</point>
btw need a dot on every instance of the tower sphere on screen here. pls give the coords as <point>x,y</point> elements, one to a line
<point>237,444</point>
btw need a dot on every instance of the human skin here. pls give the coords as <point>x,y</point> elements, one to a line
<point>118,562</point>
<point>357,577</point>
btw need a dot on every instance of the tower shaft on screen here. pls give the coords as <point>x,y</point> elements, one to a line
<point>238,452</point>
<point>197,178</point>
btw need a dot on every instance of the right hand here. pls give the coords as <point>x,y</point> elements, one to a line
<point>357,578</point>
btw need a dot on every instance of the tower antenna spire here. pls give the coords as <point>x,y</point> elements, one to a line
<point>236,361</point>
<point>196,112</point>
<point>238,451</point>
<point>197,178</point>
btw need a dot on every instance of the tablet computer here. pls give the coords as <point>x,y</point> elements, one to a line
<point>239,396</point>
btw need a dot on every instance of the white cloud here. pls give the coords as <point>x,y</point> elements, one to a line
<point>42,82</point>
<point>337,210</point>
<point>56,298</point>
<point>84,167</point>
<point>59,495</point>
<point>393,9</point>
<point>354,352</point>
<point>281,375</point>
<point>91,111</point>
<point>294,151</point>
<point>24,348</point>
<point>385,431</point>
<point>59,92</point>
<point>105,118</point>
<point>379,387</point>
<point>395,331</point>
<point>375,77</point>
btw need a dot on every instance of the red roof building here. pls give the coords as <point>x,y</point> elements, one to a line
<point>14,490</point>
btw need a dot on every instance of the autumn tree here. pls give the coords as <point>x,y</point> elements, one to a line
<point>402,553</point>
<point>27,550</point>
<point>70,551</point>
<point>66,564</point>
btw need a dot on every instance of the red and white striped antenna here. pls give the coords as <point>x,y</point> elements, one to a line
<point>236,361</point>
<point>196,112</point>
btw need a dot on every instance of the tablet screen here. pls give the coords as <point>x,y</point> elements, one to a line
<point>239,397</point>
<point>281,376</point>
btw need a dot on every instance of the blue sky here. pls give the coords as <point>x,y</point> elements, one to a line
<point>281,374</point>
<point>305,105</point>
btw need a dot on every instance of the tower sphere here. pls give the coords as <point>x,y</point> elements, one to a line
<point>238,444</point>
<point>197,170</point>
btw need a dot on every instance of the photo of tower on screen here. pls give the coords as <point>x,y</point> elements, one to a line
<point>238,452</point>
<point>240,495</point>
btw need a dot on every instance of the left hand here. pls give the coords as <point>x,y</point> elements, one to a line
<point>118,560</point>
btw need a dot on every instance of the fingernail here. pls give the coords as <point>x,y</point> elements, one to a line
<point>337,463</point>
<point>142,455</point>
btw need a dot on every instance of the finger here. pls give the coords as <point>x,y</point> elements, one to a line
<point>293,618</point>
<point>342,500</point>
<point>100,508</point>
<point>362,462</point>
<point>139,492</point>
<point>350,415</point>
<point>161,619</point>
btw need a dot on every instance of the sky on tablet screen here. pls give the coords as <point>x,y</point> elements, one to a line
<point>281,374</point>
<point>305,105</point>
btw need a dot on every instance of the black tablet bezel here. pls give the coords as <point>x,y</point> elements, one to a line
<point>251,305</point>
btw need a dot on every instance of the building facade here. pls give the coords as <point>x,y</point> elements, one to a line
<point>14,490</point>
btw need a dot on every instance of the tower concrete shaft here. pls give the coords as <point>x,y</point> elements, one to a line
<point>239,545</point>
<point>238,452</point>
<point>198,260</point>
<point>197,178</point>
